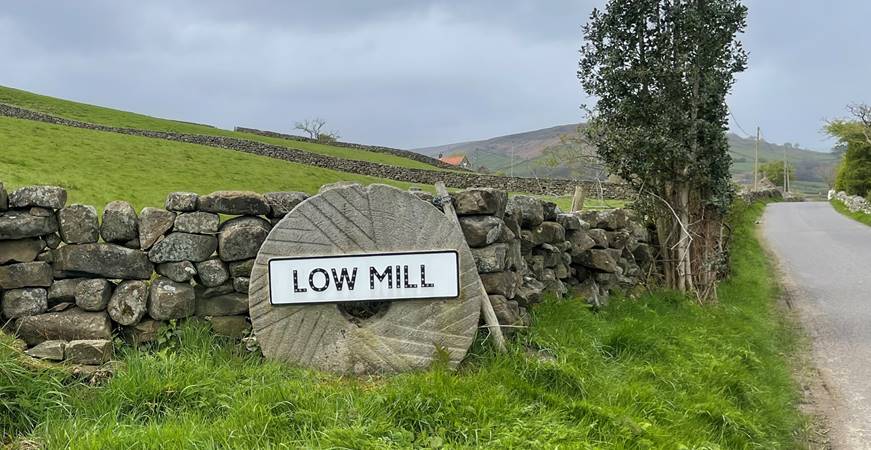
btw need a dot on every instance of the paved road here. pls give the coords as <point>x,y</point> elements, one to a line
<point>826,258</point>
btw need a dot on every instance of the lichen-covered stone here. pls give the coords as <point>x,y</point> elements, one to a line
<point>241,238</point>
<point>79,224</point>
<point>153,224</point>
<point>49,350</point>
<point>197,222</point>
<point>20,250</point>
<point>500,283</point>
<point>63,291</point>
<point>240,284</point>
<point>52,240</point>
<point>530,209</point>
<point>212,272</point>
<point>548,232</point>
<point>580,241</point>
<point>180,272</point>
<point>31,274</point>
<point>600,237</point>
<point>281,203</point>
<point>181,201</point>
<point>170,300</point>
<point>230,304</point>
<point>89,351</point>
<point>24,302</point>
<point>183,247</point>
<point>52,197</point>
<point>492,258</point>
<point>481,231</point>
<point>570,222</point>
<point>129,302</point>
<point>67,325</point>
<point>120,223</point>
<point>93,295</point>
<point>103,260</point>
<point>18,224</point>
<point>618,239</point>
<point>241,268</point>
<point>480,201</point>
<point>239,203</point>
<point>598,259</point>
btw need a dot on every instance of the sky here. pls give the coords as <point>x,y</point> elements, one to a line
<point>403,73</point>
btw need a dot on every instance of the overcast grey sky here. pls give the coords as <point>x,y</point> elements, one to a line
<point>407,73</point>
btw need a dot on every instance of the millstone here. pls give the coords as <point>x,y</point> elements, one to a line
<point>407,335</point>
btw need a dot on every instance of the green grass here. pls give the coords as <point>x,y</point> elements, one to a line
<point>98,167</point>
<point>857,216</point>
<point>112,117</point>
<point>656,372</point>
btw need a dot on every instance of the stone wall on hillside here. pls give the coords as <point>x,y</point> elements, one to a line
<point>854,203</point>
<point>455,179</point>
<point>369,148</point>
<point>71,279</point>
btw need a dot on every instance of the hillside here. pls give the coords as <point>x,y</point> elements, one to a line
<point>529,148</point>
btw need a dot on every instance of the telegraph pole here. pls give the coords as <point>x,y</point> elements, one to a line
<point>756,162</point>
<point>785,172</point>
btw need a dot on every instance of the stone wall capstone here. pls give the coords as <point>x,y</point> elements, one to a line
<point>454,179</point>
<point>66,290</point>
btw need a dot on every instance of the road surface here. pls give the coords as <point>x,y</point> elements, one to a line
<point>826,259</point>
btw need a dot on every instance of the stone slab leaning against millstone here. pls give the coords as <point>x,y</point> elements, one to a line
<point>103,260</point>
<point>237,203</point>
<point>51,197</point>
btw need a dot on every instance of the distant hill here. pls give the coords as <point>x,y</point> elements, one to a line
<point>530,150</point>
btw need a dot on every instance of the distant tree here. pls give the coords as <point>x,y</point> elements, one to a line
<point>774,172</point>
<point>854,135</point>
<point>574,156</point>
<point>314,128</point>
<point>660,71</point>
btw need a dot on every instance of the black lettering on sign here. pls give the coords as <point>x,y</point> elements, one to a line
<point>340,281</point>
<point>405,279</point>
<point>388,273</point>
<point>311,280</point>
<point>423,282</point>
<point>296,287</point>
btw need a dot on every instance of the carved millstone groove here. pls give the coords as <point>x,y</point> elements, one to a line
<point>406,336</point>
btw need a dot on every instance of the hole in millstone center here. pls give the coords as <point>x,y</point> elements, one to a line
<point>358,312</point>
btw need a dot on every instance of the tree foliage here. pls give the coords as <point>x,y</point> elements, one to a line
<point>314,128</point>
<point>854,137</point>
<point>660,71</point>
<point>774,172</point>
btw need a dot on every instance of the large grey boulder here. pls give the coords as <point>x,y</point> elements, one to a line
<point>24,302</point>
<point>180,272</point>
<point>480,201</point>
<point>79,224</point>
<point>212,272</point>
<point>530,209</point>
<point>153,224</point>
<point>103,260</point>
<point>181,201</point>
<point>67,325</point>
<point>49,350</point>
<point>119,224</point>
<point>93,295</point>
<point>481,231</point>
<point>492,258</point>
<point>32,274</point>
<point>129,302</point>
<point>281,203</point>
<point>238,203</point>
<point>51,197</point>
<point>170,300</point>
<point>197,222</point>
<point>20,250</point>
<point>230,304</point>
<point>16,224</point>
<point>241,238</point>
<point>88,351</point>
<point>183,247</point>
<point>598,259</point>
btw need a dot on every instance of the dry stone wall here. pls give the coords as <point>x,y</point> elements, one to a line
<point>455,179</point>
<point>71,280</point>
<point>854,203</point>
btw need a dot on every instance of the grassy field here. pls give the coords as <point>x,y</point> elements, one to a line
<point>97,167</point>
<point>857,216</point>
<point>112,117</point>
<point>659,371</point>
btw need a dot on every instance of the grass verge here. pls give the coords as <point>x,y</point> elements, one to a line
<point>658,371</point>
<point>857,216</point>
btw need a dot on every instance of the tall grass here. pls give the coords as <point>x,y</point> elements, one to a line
<point>658,371</point>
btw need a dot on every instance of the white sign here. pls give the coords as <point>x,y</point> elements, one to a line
<point>356,278</point>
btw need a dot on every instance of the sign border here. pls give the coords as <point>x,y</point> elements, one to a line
<point>293,258</point>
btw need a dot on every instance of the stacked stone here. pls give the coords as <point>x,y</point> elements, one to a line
<point>544,244</point>
<point>493,236</point>
<point>69,279</point>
